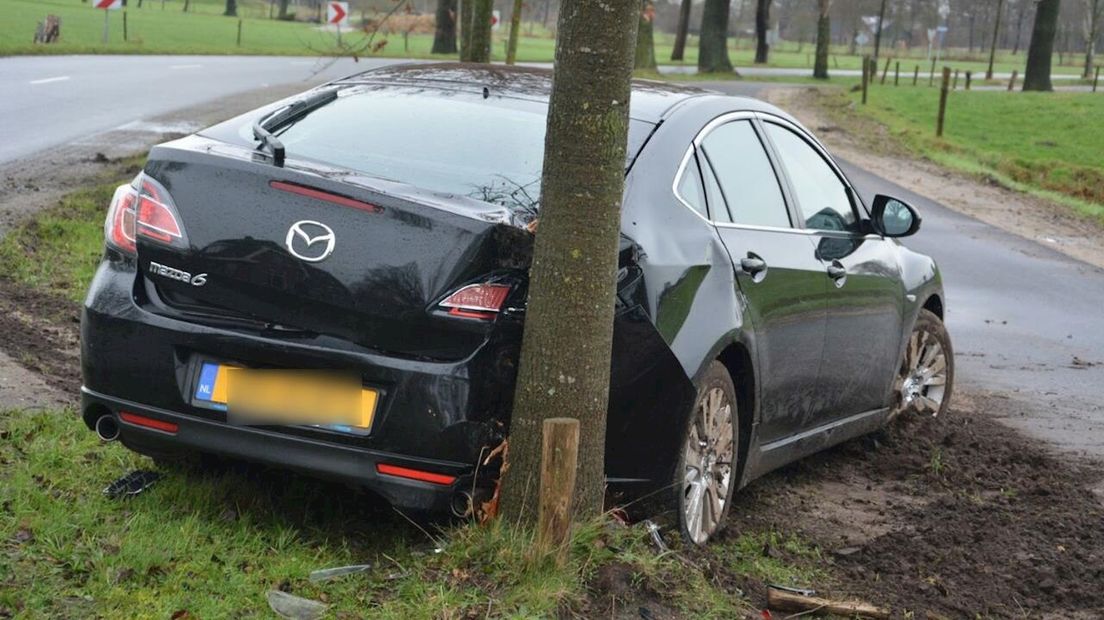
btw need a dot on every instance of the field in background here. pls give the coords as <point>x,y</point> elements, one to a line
<point>203,30</point>
<point>1047,143</point>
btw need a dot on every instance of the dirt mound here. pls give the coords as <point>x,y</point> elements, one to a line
<point>41,331</point>
<point>958,515</point>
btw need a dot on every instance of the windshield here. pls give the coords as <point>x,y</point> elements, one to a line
<point>445,141</point>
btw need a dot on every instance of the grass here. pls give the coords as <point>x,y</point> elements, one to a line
<point>1044,143</point>
<point>204,30</point>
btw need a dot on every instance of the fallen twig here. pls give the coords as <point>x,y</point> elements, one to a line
<point>788,601</point>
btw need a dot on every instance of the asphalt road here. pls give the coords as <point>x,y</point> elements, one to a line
<point>1019,313</point>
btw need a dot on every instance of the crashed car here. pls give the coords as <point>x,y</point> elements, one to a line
<point>379,229</point>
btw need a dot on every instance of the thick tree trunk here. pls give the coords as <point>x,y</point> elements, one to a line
<point>645,38</point>
<point>283,14</point>
<point>231,8</point>
<point>1041,49</point>
<point>467,9</point>
<point>993,45</point>
<point>713,42</point>
<point>444,33</point>
<point>824,35</point>
<point>681,31</point>
<point>481,30</point>
<point>878,32</point>
<point>762,26</point>
<point>515,31</point>
<point>565,358</point>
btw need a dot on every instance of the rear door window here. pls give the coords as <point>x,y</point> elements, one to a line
<point>747,181</point>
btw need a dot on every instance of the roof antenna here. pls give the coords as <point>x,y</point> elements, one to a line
<point>486,92</point>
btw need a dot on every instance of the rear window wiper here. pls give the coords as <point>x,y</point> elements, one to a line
<point>264,126</point>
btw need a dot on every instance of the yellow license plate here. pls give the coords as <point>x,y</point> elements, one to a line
<point>288,397</point>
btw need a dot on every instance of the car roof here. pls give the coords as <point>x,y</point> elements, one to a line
<point>651,100</point>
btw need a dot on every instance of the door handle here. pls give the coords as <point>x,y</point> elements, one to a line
<point>754,266</point>
<point>837,272</point>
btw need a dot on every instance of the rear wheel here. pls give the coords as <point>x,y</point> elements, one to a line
<point>926,376</point>
<point>705,477</point>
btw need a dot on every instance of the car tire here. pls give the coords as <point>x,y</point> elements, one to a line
<point>705,473</point>
<point>925,379</point>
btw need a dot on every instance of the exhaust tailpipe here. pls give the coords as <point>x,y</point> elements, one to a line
<point>107,429</point>
<point>464,502</point>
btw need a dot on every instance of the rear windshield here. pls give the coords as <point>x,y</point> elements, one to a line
<point>444,141</point>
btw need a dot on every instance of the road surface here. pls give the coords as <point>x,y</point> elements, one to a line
<point>1026,321</point>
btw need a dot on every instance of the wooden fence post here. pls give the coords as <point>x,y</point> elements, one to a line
<point>916,75</point>
<point>885,71</point>
<point>239,32</point>
<point>969,76</point>
<point>931,77</point>
<point>1012,82</point>
<point>897,73</point>
<point>1096,78</point>
<point>954,86</point>
<point>865,77</point>
<point>943,92</point>
<point>559,461</point>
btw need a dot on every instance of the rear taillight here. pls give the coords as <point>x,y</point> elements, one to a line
<point>477,301</point>
<point>143,210</point>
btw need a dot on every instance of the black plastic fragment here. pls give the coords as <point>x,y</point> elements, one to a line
<point>131,484</point>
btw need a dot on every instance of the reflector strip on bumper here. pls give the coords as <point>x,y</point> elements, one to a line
<point>414,474</point>
<point>139,420</point>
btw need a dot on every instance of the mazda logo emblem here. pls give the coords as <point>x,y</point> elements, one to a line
<point>310,241</point>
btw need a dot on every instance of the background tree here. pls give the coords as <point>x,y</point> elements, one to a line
<point>1093,14</point>
<point>645,38</point>
<point>682,30</point>
<point>823,39</point>
<point>231,8</point>
<point>878,30</point>
<point>565,354</point>
<point>993,44</point>
<point>467,10</point>
<point>444,33</point>
<point>762,27</point>
<point>283,13</point>
<point>713,42</point>
<point>1041,49</point>
<point>515,27</point>
<point>482,13</point>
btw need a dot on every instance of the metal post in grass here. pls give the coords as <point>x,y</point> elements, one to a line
<point>1012,82</point>
<point>885,72</point>
<point>559,461</point>
<point>897,73</point>
<point>916,75</point>
<point>931,77</point>
<point>969,76</point>
<point>865,77</point>
<point>943,92</point>
<point>239,32</point>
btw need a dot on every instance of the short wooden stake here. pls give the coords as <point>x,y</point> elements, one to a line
<point>865,77</point>
<point>885,71</point>
<point>897,73</point>
<point>954,86</point>
<point>931,77</point>
<point>943,92</point>
<point>239,32</point>
<point>1096,78</point>
<point>559,460</point>
<point>1012,82</point>
<point>916,75</point>
<point>969,76</point>
<point>124,26</point>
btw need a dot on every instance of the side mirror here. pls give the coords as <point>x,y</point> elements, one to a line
<point>893,218</point>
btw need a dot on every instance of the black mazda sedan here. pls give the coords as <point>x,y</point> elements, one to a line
<point>355,259</point>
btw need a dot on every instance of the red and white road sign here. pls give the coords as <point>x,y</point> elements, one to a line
<point>337,13</point>
<point>496,19</point>
<point>107,5</point>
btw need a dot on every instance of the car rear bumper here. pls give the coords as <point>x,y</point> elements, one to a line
<point>343,463</point>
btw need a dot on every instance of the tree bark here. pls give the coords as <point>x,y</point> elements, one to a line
<point>645,38</point>
<point>1019,27</point>
<point>762,25</point>
<point>515,31</point>
<point>466,11</point>
<point>565,357</point>
<point>713,42</point>
<point>824,35</point>
<point>481,30</point>
<point>231,8</point>
<point>993,45</point>
<point>1092,30</point>
<point>878,32</point>
<point>444,33</point>
<point>1041,49</point>
<point>681,31</point>
<point>283,14</point>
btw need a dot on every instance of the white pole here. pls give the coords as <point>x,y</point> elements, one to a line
<point>107,24</point>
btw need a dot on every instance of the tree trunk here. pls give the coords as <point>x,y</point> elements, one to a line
<point>565,356</point>
<point>762,26</point>
<point>993,45</point>
<point>444,33</point>
<point>1041,49</point>
<point>515,30</point>
<point>1094,9</point>
<point>824,34</point>
<point>1019,27</point>
<point>231,8</point>
<point>681,31</point>
<point>713,42</point>
<point>467,9</point>
<point>283,14</point>
<point>645,38</point>
<point>481,30</point>
<point>878,32</point>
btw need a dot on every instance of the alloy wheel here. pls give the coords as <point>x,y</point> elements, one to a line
<point>922,380</point>
<point>708,466</point>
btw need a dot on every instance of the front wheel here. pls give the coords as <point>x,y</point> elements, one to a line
<point>926,376</point>
<point>706,476</point>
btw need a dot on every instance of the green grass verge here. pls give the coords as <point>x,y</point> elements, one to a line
<point>1044,143</point>
<point>204,30</point>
